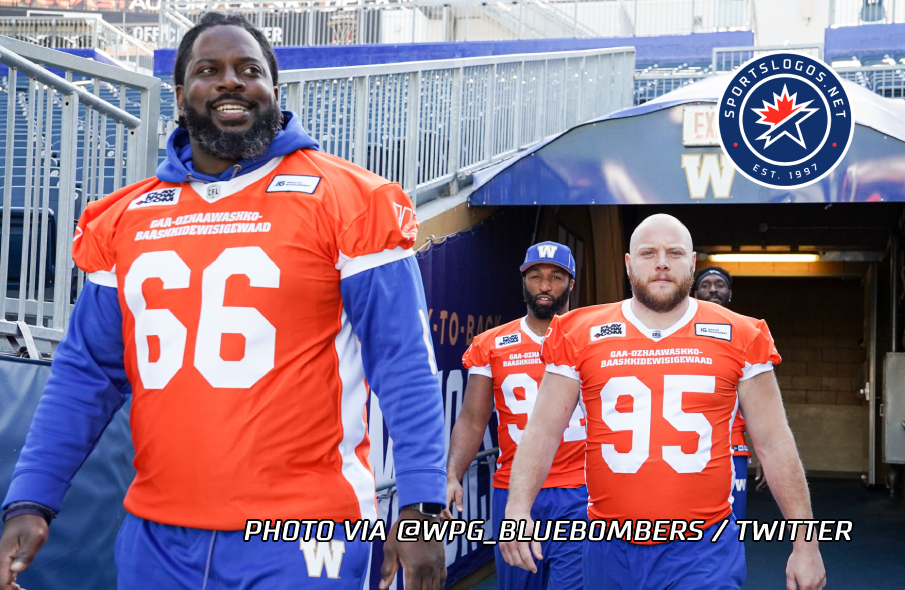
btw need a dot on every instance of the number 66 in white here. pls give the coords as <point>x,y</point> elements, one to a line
<point>639,419</point>
<point>215,320</point>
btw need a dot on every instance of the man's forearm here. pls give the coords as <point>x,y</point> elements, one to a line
<point>783,469</point>
<point>463,447</point>
<point>530,468</point>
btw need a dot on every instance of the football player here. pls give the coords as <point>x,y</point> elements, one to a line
<point>504,373</point>
<point>662,377</point>
<point>714,284</point>
<point>246,298</point>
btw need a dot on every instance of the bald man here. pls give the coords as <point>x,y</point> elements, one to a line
<point>662,377</point>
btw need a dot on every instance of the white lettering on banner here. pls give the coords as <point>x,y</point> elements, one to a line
<point>547,251</point>
<point>323,554</point>
<point>714,169</point>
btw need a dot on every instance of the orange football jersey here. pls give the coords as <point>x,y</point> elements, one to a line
<point>249,393</point>
<point>510,355</point>
<point>660,405</point>
<point>738,442</point>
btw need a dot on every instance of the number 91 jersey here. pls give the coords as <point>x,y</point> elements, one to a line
<point>248,388</point>
<point>510,355</point>
<point>660,405</point>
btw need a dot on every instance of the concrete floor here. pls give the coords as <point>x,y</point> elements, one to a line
<point>873,560</point>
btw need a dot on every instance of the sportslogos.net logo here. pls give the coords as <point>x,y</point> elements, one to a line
<point>785,120</point>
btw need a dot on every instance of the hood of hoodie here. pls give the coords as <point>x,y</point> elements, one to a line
<point>178,167</point>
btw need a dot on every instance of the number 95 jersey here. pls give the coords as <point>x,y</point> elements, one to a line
<point>510,355</point>
<point>660,405</point>
<point>248,388</point>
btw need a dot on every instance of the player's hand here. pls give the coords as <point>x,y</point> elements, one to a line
<point>22,537</point>
<point>522,553</point>
<point>760,478</point>
<point>454,493</point>
<point>424,562</point>
<point>805,570</point>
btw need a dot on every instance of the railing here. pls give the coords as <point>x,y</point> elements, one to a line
<point>428,124</point>
<point>866,12</point>
<point>651,83</point>
<point>347,22</point>
<point>888,81</point>
<point>727,59</point>
<point>65,143</point>
<point>82,33</point>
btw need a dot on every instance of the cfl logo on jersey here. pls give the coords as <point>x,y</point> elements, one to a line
<point>785,120</point>
<point>508,340</point>
<point>607,331</point>
<point>321,555</point>
<point>547,251</point>
<point>293,183</point>
<point>720,331</point>
<point>165,196</point>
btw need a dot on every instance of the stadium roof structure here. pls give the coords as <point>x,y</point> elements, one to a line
<point>639,156</point>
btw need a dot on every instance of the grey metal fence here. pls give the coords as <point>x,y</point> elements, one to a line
<point>346,22</point>
<point>888,81</point>
<point>426,124</point>
<point>727,59</point>
<point>81,33</point>
<point>866,12</point>
<point>66,141</point>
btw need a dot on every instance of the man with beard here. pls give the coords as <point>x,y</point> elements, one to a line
<point>245,299</point>
<point>661,377</point>
<point>714,284</point>
<point>505,370</point>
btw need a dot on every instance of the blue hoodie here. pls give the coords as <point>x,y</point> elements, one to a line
<point>178,165</point>
<point>87,385</point>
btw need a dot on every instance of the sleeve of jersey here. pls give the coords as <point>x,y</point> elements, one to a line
<point>87,385</point>
<point>761,354</point>
<point>476,359</point>
<point>383,232</point>
<point>90,247</point>
<point>386,307</point>
<point>558,353</point>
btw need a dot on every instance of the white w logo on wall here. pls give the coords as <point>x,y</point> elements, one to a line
<point>319,554</point>
<point>547,251</point>
<point>715,170</point>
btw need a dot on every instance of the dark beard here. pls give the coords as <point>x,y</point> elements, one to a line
<point>233,145</point>
<point>544,312</point>
<point>665,304</point>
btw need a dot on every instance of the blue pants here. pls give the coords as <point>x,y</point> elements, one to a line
<point>740,487</point>
<point>620,565</point>
<point>153,556</point>
<point>560,569</point>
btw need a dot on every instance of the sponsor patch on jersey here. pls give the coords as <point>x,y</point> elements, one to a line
<point>508,340</point>
<point>607,331</point>
<point>291,183</point>
<point>164,196</point>
<point>721,331</point>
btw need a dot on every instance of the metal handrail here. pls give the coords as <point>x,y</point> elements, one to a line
<point>387,485</point>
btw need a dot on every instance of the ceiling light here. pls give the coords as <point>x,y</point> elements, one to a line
<point>764,257</point>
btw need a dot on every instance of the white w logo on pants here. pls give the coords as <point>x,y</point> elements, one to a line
<point>321,553</point>
<point>547,251</point>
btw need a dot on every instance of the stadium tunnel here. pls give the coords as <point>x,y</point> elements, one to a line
<point>836,319</point>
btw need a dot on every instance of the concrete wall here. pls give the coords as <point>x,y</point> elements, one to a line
<point>817,324</point>
<point>779,22</point>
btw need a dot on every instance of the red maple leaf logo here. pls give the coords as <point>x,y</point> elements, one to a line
<point>785,107</point>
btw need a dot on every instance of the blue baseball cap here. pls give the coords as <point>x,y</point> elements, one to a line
<point>549,253</point>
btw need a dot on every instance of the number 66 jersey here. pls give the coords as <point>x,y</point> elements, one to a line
<point>660,405</point>
<point>248,387</point>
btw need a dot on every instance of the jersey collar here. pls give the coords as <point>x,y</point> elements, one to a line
<point>658,335</point>
<point>524,325</point>
<point>214,191</point>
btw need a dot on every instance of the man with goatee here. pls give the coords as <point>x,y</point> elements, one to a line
<point>661,377</point>
<point>504,372</point>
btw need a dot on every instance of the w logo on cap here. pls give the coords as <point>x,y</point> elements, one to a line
<point>547,250</point>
